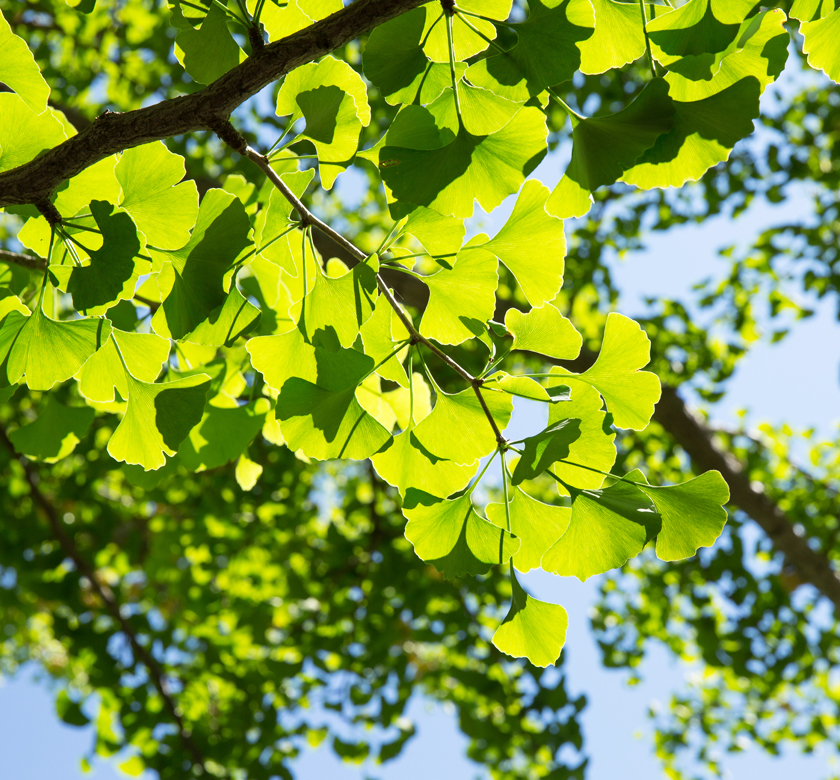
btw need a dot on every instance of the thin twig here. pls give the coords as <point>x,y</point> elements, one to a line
<point>156,673</point>
<point>307,218</point>
<point>32,262</point>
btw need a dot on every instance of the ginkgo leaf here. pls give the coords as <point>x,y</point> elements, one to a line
<point>191,279</point>
<point>461,300</point>
<point>440,235</point>
<point>607,528</point>
<point>820,45</point>
<point>142,353</point>
<point>483,112</point>
<point>335,309</point>
<point>451,178</point>
<point>619,36</point>
<point>210,51</point>
<point>381,335</point>
<point>222,435</point>
<point>323,418</point>
<point>282,19</point>
<point>467,39</point>
<point>275,239</point>
<point>595,450</point>
<point>536,524</point>
<point>400,401</point>
<point>158,417</point>
<point>692,513</point>
<point>395,62</point>
<point>704,133</point>
<point>406,464</point>
<point>605,147</point>
<point>372,399</point>
<point>54,434</point>
<point>450,535</point>
<point>113,272</point>
<point>630,394</point>
<point>332,98</point>
<point>687,38</point>
<point>224,325</point>
<point>759,50</point>
<point>522,386</point>
<point>462,412</point>
<point>544,330</point>
<point>163,209</point>
<point>545,449</point>
<point>18,70</point>
<point>23,133</point>
<point>47,351</point>
<point>283,356</point>
<point>532,245</point>
<point>533,629</point>
<point>546,52</point>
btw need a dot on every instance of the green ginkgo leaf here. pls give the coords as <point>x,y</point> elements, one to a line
<point>536,524</point>
<point>23,133</point>
<point>335,309</point>
<point>450,535</point>
<point>820,45</point>
<point>283,356</point>
<point>142,353</point>
<point>324,418</point>
<point>158,417</point>
<point>483,168</point>
<point>440,235</point>
<point>532,245</point>
<point>607,528</point>
<point>462,300</point>
<point>545,449</point>
<point>687,38</point>
<point>533,629</point>
<point>619,36</point>
<point>332,98</point>
<point>281,19</point>
<point>222,435</point>
<point>236,317</point>
<point>605,147</point>
<point>522,386</point>
<point>463,412</point>
<point>595,450</point>
<point>759,50</point>
<point>191,279</point>
<point>692,513</point>
<point>18,70</point>
<point>546,52</point>
<point>400,400</point>
<point>406,464</point>
<point>210,51</point>
<point>163,209</point>
<point>381,335</point>
<point>47,351</point>
<point>705,132</point>
<point>630,394</point>
<point>114,269</point>
<point>54,434</point>
<point>469,36</point>
<point>395,62</point>
<point>544,330</point>
<point>483,112</point>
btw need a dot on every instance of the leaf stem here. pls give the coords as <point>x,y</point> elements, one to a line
<point>478,32</point>
<point>452,73</point>
<point>647,40</point>
<point>505,488</point>
<point>484,470</point>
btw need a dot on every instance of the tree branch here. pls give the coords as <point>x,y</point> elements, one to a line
<point>31,262</point>
<point>110,133</point>
<point>156,673</point>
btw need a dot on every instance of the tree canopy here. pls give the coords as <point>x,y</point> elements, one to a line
<point>259,365</point>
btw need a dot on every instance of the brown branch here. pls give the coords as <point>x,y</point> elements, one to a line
<point>698,442</point>
<point>32,262</point>
<point>156,673</point>
<point>110,133</point>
